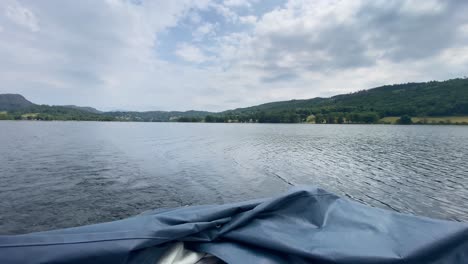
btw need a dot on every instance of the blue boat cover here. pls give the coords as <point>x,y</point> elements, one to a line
<point>305,225</point>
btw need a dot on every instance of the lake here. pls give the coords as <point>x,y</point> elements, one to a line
<point>63,174</point>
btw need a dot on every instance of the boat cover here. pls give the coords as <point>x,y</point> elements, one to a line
<point>305,225</point>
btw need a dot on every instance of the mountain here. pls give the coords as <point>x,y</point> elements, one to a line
<point>425,99</point>
<point>14,102</point>
<point>11,102</point>
<point>159,116</point>
<point>47,112</point>
<point>84,108</point>
<point>419,99</point>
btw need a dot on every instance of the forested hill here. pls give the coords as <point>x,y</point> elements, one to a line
<point>418,99</point>
<point>16,107</point>
<point>159,116</point>
<point>446,98</point>
<point>429,99</point>
<point>84,108</point>
<point>9,102</point>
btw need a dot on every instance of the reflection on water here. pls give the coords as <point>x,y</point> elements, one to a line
<point>61,174</point>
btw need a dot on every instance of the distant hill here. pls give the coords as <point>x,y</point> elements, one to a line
<point>159,116</point>
<point>18,107</point>
<point>427,99</point>
<point>11,102</point>
<point>47,112</point>
<point>419,99</point>
<point>84,108</point>
<point>14,102</point>
<point>446,98</point>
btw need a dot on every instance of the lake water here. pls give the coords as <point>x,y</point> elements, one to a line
<point>63,174</point>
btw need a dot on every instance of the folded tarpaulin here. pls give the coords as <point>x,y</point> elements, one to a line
<point>305,225</point>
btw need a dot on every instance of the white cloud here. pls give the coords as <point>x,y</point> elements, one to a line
<point>191,53</point>
<point>103,53</point>
<point>423,7</point>
<point>206,29</point>
<point>331,36</point>
<point>108,54</point>
<point>248,19</point>
<point>226,12</point>
<point>22,16</point>
<point>237,3</point>
<point>195,18</point>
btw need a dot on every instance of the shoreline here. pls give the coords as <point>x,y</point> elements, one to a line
<point>178,122</point>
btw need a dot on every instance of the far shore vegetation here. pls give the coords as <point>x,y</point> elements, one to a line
<point>311,119</point>
<point>431,102</point>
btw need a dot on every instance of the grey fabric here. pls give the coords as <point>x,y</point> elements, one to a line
<point>305,225</point>
<point>210,260</point>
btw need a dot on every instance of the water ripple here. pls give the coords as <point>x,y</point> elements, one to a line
<point>62,174</point>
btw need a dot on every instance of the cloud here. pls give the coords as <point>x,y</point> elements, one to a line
<point>333,36</point>
<point>190,53</point>
<point>351,35</point>
<point>248,19</point>
<point>89,51</point>
<point>22,16</point>
<point>226,12</point>
<point>237,3</point>
<point>195,18</point>
<point>206,29</point>
<point>214,55</point>
<point>279,77</point>
<point>423,7</point>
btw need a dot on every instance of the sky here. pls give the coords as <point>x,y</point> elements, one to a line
<point>216,55</point>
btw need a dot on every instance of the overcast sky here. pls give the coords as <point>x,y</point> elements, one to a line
<point>217,55</point>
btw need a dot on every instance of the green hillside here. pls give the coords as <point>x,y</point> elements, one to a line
<point>16,107</point>
<point>9,102</point>
<point>46,112</point>
<point>429,102</point>
<point>446,98</point>
<point>159,116</point>
<point>417,99</point>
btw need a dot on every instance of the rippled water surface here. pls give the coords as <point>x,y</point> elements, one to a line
<point>62,174</point>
